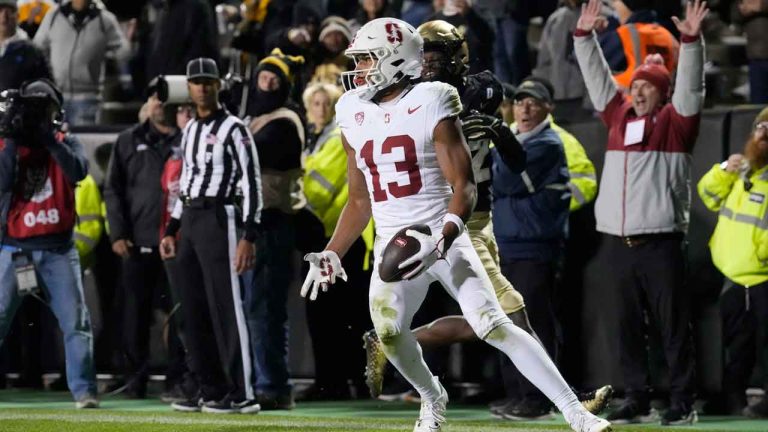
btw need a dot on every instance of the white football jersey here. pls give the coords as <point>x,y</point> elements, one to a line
<point>394,148</point>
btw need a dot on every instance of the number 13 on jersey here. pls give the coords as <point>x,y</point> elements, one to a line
<point>408,165</point>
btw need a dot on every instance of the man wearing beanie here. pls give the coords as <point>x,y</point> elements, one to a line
<point>335,36</point>
<point>643,206</point>
<point>638,36</point>
<point>278,132</point>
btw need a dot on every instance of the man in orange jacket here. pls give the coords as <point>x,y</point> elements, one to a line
<point>638,36</point>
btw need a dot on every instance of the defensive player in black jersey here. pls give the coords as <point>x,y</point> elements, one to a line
<point>445,59</point>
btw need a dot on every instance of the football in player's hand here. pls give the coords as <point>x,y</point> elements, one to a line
<point>399,249</point>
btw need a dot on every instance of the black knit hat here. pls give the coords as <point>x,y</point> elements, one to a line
<point>284,66</point>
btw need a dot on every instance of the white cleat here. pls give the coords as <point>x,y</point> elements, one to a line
<point>432,414</point>
<point>583,421</point>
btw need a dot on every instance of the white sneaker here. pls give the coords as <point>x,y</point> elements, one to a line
<point>87,402</point>
<point>432,414</point>
<point>584,421</point>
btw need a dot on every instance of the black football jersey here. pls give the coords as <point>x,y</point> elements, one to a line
<point>482,92</point>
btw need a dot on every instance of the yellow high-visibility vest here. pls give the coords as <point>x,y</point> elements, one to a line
<point>739,245</point>
<point>90,221</point>
<point>325,184</point>
<point>581,172</point>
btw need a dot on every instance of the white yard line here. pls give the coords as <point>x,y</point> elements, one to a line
<point>294,423</point>
<point>193,419</point>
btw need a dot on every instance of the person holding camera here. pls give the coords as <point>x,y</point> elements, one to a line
<point>737,190</point>
<point>39,168</point>
<point>20,61</point>
<point>133,195</point>
<point>219,161</point>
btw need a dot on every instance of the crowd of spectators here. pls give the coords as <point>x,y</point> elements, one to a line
<point>280,65</point>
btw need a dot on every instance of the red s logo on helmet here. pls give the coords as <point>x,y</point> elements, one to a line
<point>393,32</point>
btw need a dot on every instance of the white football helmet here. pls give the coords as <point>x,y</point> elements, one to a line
<point>396,49</point>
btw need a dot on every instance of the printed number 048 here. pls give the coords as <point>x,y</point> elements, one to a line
<point>51,217</point>
<point>409,165</point>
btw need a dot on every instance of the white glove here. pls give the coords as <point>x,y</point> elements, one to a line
<point>324,268</point>
<point>430,250</point>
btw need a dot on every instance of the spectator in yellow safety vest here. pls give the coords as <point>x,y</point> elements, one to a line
<point>336,326</point>
<point>737,190</point>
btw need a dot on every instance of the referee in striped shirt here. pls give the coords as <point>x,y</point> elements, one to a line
<point>219,157</point>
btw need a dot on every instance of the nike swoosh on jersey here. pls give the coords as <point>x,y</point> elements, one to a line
<point>413,110</point>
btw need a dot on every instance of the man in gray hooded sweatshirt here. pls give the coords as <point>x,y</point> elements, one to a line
<point>76,37</point>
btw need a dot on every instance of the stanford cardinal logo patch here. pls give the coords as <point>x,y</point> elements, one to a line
<point>393,32</point>
<point>359,118</point>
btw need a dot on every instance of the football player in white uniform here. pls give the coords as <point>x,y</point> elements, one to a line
<point>409,164</point>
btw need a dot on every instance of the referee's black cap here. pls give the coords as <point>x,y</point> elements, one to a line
<point>202,67</point>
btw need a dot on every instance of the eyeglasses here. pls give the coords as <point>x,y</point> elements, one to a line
<point>529,103</point>
<point>762,125</point>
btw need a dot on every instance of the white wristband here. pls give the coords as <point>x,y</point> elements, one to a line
<point>450,217</point>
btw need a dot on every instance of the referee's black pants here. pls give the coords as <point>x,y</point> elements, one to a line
<point>648,273</point>
<point>216,335</point>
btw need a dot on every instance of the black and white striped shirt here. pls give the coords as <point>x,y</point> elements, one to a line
<point>218,157</point>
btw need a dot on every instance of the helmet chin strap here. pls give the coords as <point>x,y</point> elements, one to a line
<point>383,92</point>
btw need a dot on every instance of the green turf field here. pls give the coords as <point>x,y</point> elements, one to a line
<point>48,411</point>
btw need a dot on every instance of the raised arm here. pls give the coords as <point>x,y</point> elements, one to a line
<point>595,70</point>
<point>688,97</point>
<point>717,183</point>
<point>356,214</point>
